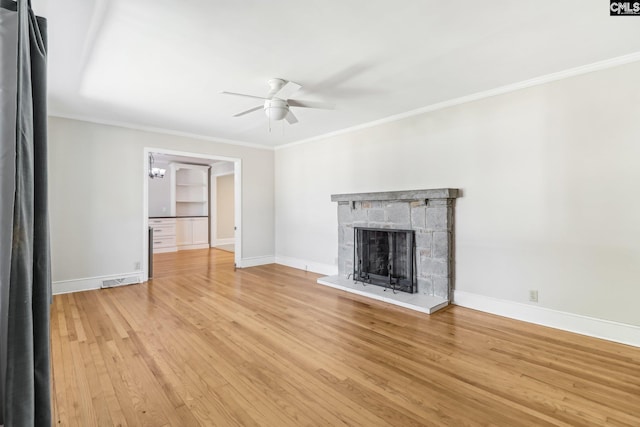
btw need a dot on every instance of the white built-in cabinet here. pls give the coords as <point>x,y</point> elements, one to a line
<point>164,234</point>
<point>188,225</point>
<point>192,233</point>
<point>190,190</point>
<point>191,201</point>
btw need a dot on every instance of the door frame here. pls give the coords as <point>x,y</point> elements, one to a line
<point>237,182</point>
<point>213,182</point>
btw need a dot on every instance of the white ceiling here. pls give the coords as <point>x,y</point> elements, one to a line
<point>162,64</point>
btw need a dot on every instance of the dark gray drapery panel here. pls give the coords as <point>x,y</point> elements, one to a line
<point>8,84</point>
<point>27,400</point>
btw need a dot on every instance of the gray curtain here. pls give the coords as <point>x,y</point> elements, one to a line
<point>26,291</point>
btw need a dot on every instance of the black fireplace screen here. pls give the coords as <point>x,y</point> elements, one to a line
<point>385,257</point>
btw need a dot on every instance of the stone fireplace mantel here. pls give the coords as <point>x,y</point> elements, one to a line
<point>430,213</point>
<point>411,195</point>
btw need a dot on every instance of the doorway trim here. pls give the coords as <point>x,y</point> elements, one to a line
<point>237,182</point>
<point>213,194</point>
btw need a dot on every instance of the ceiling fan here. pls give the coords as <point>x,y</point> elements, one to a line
<point>277,102</point>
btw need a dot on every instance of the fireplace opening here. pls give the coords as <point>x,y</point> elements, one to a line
<point>385,257</point>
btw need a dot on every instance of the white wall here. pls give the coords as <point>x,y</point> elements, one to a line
<point>160,192</point>
<point>225,207</point>
<point>96,174</point>
<point>222,168</point>
<point>551,190</point>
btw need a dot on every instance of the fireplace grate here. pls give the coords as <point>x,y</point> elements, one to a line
<point>385,257</point>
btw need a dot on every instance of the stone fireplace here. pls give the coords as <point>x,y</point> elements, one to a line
<point>430,216</point>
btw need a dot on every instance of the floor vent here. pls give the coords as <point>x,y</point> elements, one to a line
<point>121,281</point>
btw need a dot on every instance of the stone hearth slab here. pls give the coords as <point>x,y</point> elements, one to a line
<point>419,302</point>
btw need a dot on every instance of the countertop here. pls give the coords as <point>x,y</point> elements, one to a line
<point>187,216</point>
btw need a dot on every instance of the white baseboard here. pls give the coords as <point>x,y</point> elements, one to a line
<point>584,325</point>
<point>190,247</point>
<point>163,250</point>
<point>256,260</point>
<point>301,264</point>
<point>90,283</point>
<point>220,242</point>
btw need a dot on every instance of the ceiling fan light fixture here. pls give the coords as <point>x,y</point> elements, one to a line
<point>276,109</point>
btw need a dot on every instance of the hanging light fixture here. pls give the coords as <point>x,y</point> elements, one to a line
<point>155,172</point>
<point>276,109</point>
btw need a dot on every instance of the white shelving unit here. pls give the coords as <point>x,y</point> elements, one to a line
<point>190,205</point>
<point>190,190</point>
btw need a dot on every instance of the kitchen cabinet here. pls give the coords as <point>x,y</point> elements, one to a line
<point>192,233</point>
<point>164,234</point>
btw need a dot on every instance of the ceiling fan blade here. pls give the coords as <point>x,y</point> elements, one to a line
<point>291,118</point>
<point>250,110</point>
<point>242,94</point>
<point>285,91</point>
<point>310,104</point>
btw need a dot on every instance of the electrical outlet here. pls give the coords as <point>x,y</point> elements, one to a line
<point>533,295</point>
<point>137,266</point>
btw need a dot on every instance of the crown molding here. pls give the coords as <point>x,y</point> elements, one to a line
<point>572,72</point>
<point>163,131</point>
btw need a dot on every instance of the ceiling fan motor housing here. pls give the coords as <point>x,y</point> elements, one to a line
<point>276,108</point>
<point>276,84</point>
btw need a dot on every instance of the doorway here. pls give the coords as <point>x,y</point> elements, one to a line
<point>172,197</point>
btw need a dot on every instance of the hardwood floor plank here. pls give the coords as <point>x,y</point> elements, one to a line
<point>58,375</point>
<point>68,316</point>
<point>151,403</point>
<point>109,402</point>
<point>202,344</point>
<point>87,413</point>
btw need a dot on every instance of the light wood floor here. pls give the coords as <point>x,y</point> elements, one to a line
<point>201,344</point>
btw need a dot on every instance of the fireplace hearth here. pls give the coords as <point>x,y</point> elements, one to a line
<point>426,275</point>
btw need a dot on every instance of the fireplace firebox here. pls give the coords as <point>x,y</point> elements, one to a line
<point>385,257</point>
